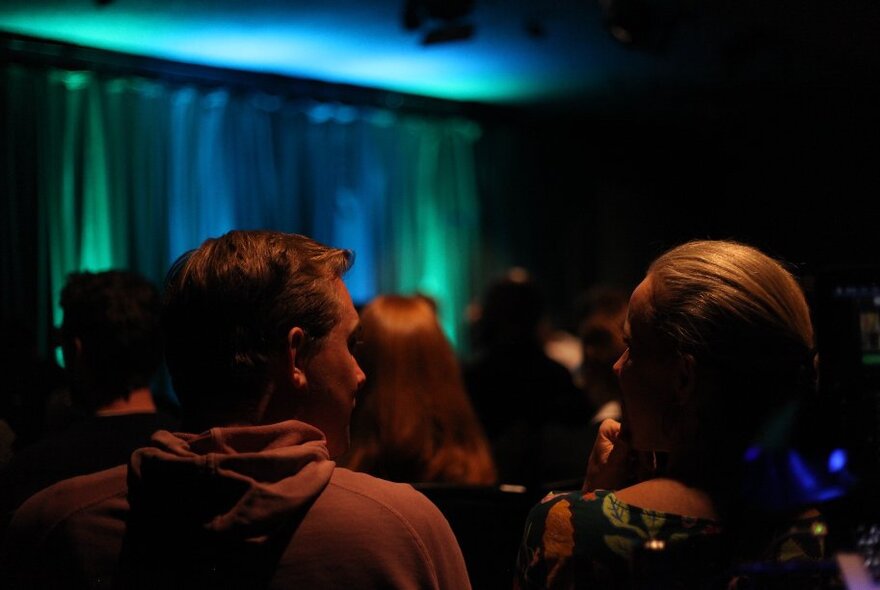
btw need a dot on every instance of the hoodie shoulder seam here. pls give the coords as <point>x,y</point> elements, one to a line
<point>51,520</point>
<point>403,520</point>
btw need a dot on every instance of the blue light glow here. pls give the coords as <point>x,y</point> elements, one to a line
<point>801,472</point>
<point>752,453</point>
<point>335,43</point>
<point>837,460</point>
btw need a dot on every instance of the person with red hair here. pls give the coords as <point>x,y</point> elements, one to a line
<point>413,421</point>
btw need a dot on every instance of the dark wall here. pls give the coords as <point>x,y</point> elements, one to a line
<point>794,170</point>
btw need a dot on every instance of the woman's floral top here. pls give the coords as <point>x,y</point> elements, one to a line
<point>593,540</point>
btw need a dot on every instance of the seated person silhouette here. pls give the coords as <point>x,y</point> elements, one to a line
<point>33,386</point>
<point>259,338</point>
<point>719,342</point>
<point>111,342</point>
<point>520,394</point>
<point>413,421</point>
<point>601,338</point>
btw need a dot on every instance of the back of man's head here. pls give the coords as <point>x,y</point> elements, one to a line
<point>513,308</point>
<point>228,307</point>
<point>600,304</point>
<point>111,325</point>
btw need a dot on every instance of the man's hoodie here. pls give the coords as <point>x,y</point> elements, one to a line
<point>238,483</point>
<point>219,504</point>
<point>234,507</point>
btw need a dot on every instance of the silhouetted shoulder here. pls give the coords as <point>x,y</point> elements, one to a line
<point>46,509</point>
<point>394,538</point>
<point>36,547</point>
<point>397,497</point>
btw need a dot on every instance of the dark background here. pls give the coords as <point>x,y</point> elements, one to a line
<point>793,171</point>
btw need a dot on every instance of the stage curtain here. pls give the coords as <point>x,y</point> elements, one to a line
<point>117,171</point>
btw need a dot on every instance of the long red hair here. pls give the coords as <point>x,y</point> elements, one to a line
<point>414,421</point>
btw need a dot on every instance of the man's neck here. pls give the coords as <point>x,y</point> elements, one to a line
<point>140,401</point>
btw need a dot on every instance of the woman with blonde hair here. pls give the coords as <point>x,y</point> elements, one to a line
<point>413,421</point>
<point>719,346</point>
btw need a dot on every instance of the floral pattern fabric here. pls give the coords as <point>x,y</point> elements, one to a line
<point>594,540</point>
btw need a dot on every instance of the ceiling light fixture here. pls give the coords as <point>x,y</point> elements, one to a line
<point>441,20</point>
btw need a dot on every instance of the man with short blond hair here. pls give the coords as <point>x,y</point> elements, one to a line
<point>259,333</point>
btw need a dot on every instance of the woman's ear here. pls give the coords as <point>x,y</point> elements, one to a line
<point>685,378</point>
<point>296,341</point>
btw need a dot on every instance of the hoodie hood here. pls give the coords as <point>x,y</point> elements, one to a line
<point>235,483</point>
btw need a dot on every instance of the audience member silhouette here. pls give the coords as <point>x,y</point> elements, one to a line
<point>517,390</point>
<point>719,345</point>
<point>259,334</point>
<point>414,421</point>
<point>602,313</point>
<point>111,342</point>
<point>31,386</point>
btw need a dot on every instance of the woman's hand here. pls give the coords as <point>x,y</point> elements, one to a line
<point>610,465</point>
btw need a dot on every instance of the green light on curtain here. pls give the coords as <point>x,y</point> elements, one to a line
<point>133,173</point>
<point>96,251</point>
<point>438,227</point>
<point>434,279</point>
<point>77,200</point>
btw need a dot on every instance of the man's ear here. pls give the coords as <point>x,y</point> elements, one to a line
<point>296,341</point>
<point>685,378</point>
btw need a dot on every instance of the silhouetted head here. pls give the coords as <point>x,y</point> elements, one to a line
<point>110,334</point>
<point>245,313</point>
<point>414,420</point>
<point>512,311</point>
<point>603,311</point>
<point>720,341</point>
